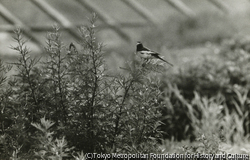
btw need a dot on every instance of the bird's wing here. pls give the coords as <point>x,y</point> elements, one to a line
<point>145,49</point>
<point>148,51</point>
<point>157,56</point>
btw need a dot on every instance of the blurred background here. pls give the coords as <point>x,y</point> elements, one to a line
<point>179,30</point>
<point>207,41</point>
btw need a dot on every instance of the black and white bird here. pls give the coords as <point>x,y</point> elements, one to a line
<point>147,54</point>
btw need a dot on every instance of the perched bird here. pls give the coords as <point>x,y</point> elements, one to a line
<point>147,54</point>
<point>72,47</point>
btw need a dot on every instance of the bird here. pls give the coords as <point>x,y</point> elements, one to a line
<point>147,54</point>
<point>72,47</point>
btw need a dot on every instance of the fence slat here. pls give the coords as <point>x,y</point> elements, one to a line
<point>12,19</point>
<point>103,16</point>
<point>183,8</point>
<point>58,17</point>
<point>10,28</point>
<point>220,5</point>
<point>142,11</point>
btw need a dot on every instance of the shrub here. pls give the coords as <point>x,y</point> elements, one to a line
<point>47,147</point>
<point>221,79</point>
<point>88,109</point>
<point>95,111</point>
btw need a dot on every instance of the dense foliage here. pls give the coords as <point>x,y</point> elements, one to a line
<point>217,84</point>
<point>66,103</point>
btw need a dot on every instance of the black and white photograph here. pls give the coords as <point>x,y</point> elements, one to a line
<point>124,79</point>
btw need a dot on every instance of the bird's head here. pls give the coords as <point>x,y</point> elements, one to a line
<point>139,46</point>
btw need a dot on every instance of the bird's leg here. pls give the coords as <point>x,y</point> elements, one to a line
<point>144,61</point>
<point>148,61</point>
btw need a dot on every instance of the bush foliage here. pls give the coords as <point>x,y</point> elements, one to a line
<point>217,84</point>
<point>66,104</point>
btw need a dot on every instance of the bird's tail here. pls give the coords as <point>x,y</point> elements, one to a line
<point>165,61</point>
